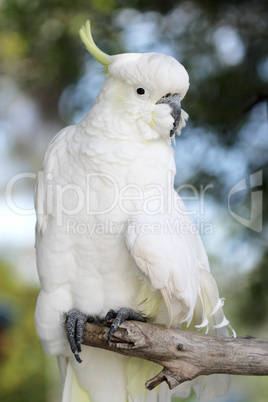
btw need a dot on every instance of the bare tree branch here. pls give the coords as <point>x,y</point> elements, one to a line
<point>183,354</point>
<point>245,109</point>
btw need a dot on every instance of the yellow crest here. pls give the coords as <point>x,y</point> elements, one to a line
<point>100,56</point>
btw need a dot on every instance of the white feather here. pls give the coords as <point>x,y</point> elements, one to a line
<point>72,392</point>
<point>62,363</point>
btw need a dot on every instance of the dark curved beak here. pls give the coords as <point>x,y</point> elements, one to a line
<point>174,102</point>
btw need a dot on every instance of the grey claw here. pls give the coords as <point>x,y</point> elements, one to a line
<point>122,315</point>
<point>75,323</point>
<point>109,316</point>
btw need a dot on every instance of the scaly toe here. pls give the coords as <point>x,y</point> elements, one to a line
<point>122,315</point>
<point>75,323</point>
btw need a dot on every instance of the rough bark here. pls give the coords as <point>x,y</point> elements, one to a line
<point>184,355</point>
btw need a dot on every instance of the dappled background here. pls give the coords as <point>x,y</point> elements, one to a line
<point>48,80</point>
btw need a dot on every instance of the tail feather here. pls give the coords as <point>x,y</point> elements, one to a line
<point>138,371</point>
<point>209,305</point>
<point>210,313</point>
<point>72,392</point>
<point>213,386</point>
<point>62,363</point>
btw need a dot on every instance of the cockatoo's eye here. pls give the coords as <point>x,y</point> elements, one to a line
<point>142,92</point>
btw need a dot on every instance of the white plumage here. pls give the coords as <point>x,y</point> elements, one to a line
<point>112,232</point>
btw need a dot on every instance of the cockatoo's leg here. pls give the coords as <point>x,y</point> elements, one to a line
<point>122,315</point>
<point>75,324</point>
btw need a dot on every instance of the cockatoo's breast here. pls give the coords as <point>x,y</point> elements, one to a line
<point>125,163</point>
<point>107,184</point>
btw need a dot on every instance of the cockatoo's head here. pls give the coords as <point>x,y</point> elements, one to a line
<point>145,89</point>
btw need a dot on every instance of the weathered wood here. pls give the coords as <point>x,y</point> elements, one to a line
<point>184,355</point>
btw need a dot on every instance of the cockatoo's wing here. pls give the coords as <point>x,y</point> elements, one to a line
<point>55,264</point>
<point>175,267</point>
<point>45,200</point>
<point>172,258</point>
<point>169,263</point>
<point>53,255</point>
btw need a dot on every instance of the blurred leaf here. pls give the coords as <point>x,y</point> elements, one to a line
<point>22,361</point>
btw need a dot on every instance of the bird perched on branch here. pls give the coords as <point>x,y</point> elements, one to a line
<point>114,239</point>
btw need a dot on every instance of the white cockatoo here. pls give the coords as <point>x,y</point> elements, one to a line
<point>112,234</point>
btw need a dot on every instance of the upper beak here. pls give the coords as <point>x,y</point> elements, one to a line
<point>174,102</point>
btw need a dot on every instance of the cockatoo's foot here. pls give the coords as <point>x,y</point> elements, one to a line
<point>75,324</point>
<point>122,315</point>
